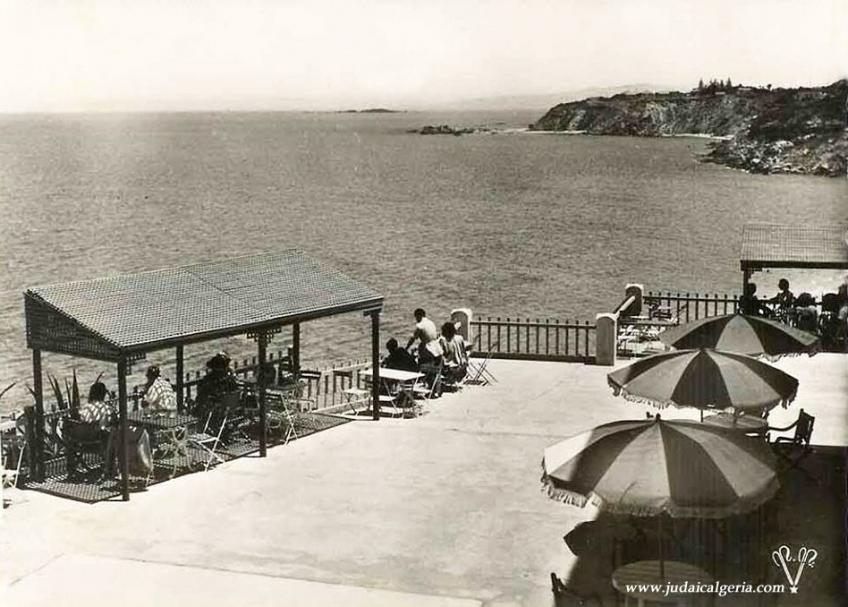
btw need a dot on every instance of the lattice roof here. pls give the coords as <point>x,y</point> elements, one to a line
<point>766,245</point>
<point>109,317</point>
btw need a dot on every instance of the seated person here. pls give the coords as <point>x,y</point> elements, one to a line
<point>749,303</point>
<point>456,354</point>
<point>159,396</point>
<point>219,380</point>
<point>842,314</point>
<point>784,300</point>
<point>806,314</point>
<point>97,410</point>
<point>399,358</point>
<point>94,426</point>
<point>429,349</point>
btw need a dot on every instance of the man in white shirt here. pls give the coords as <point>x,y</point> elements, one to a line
<point>429,348</point>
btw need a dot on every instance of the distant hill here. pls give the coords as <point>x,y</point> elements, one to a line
<point>542,101</point>
<point>799,130</point>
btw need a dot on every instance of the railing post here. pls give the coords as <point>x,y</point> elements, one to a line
<point>556,336</point>
<point>606,333</point>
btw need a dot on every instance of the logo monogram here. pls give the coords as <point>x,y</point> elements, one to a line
<point>783,558</point>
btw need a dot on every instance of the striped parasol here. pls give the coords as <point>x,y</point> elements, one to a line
<point>750,335</point>
<point>705,379</point>
<point>651,467</point>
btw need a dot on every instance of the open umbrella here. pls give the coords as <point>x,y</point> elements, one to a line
<point>750,335</point>
<point>656,467</point>
<point>705,379</point>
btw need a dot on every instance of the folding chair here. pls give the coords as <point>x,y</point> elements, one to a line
<point>277,399</point>
<point>478,373</point>
<point>79,438</point>
<point>203,440</point>
<point>566,597</point>
<point>799,443</point>
<point>10,475</point>
<point>436,386</point>
<point>355,396</point>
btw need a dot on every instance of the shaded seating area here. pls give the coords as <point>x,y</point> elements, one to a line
<point>768,246</point>
<point>121,319</point>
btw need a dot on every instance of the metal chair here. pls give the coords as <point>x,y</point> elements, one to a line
<point>10,474</point>
<point>278,401</point>
<point>207,442</point>
<point>478,373</point>
<point>80,438</point>
<point>565,597</point>
<point>799,443</point>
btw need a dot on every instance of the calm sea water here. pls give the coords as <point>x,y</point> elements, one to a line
<point>508,224</point>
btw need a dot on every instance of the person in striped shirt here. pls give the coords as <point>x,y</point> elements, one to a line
<point>159,396</point>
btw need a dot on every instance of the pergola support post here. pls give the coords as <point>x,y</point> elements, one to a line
<point>38,433</point>
<point>375,364</point>
<point>262,346</point>
<point>123,456</point>
<point>295,360</point>
<point>180,380</point>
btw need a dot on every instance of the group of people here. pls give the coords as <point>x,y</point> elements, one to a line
<point>801,310</point>
<point>439,351</point>
<point>97,418</point>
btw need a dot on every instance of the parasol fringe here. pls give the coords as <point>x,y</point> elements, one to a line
<point>663,404</point>
<point>742,506</point>
<point>644,400</point>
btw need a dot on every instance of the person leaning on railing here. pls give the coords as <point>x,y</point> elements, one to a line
<point>429,349</point>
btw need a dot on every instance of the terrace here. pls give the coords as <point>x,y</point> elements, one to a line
<point>454,497</point>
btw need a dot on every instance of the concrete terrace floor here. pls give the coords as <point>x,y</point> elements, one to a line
<point>445,509</point>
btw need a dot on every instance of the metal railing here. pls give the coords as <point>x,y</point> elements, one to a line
<point>538,339</point>
<point>685,307</point>
<point>323,387</point>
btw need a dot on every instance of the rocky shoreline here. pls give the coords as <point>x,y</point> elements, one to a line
<point>801,131</point>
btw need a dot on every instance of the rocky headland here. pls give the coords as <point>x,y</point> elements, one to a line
<point>761,130</point>
<point>446,129</point>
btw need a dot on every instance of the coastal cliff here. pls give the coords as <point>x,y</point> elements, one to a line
<point>799,130</point>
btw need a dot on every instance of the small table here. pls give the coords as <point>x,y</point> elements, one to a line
<point>171,432</point>
<point>396,382</point>
<point>648,572</point>
<point>156,421</point>
<point>746,424</point>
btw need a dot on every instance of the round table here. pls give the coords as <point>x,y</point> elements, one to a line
<point>747,424</point>
<point>648,572</point>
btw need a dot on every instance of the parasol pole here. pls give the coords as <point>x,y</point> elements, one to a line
<point>662,556</point>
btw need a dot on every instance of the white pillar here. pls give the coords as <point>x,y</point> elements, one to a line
<point>606,338</point>
<point>462,318</point>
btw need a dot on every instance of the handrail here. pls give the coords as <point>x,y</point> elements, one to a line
<point>537,339</point>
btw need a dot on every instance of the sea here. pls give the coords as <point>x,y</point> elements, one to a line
<point>505,222</point>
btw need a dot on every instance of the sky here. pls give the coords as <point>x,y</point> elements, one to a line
<point>146,55</point>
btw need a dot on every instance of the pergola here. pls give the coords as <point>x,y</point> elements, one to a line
<point>767,245</point>
<point>120,319</point>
